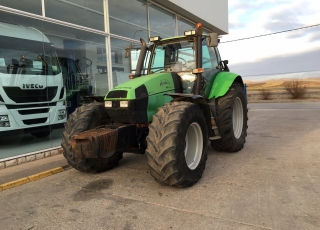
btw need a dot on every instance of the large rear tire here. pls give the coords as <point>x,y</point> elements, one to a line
<point>85,118</point>
<point>232,117</point>
<point>177,144</point>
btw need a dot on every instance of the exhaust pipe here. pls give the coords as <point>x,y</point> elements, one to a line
<point>142,56</point>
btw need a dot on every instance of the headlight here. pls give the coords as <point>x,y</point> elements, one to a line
<point>108,104</point>
<point>4,121</point>
<point>190,32</point>
<point>124,104</point>
<point>4,118</point>
<point>62,114</point>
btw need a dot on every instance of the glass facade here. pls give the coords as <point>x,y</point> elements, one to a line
<point>53,53</point>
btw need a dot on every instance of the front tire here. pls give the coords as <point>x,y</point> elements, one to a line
<point>85,118</point>
<point>177,144</point>
<point>232,118</point>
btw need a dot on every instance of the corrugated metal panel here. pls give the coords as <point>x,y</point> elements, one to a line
<point>215,12</point>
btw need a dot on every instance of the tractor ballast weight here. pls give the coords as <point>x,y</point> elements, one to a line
<point>169,114</point>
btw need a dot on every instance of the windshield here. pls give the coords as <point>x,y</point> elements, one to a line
<point>25,57</point>
<point>173,57</point>
<point>180,57</point>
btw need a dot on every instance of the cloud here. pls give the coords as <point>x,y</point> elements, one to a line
<point>298,62</point>
<point>315,37</point>
<point>269,16</point>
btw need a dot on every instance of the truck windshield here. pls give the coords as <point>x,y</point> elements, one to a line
<point>27,57</point>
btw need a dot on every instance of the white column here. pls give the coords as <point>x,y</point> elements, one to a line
<point>108,43</point>
<point>43,8</point>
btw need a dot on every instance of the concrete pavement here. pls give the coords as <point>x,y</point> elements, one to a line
<point>273,183</point>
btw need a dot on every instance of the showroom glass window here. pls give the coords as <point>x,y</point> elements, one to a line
<point>28,99</point>
<point>184,25</point>
<point>128,18</point>
<point>80,12</point>
<point>162,22</point>
<point>30,6</point>
<point>120,63</point>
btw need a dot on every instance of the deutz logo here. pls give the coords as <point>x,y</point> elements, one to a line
<point>32,86</point>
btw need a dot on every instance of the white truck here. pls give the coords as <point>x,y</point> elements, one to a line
<point>32,93</point>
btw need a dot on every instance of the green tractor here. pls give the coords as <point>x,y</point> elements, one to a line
<point>187,98</point>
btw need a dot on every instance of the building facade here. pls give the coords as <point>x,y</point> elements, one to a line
<point>55,52</point>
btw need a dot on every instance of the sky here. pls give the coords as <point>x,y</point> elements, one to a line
<point>263,58</point>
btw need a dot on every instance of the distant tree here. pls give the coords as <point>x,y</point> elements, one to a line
<point>265,94</point>
<point>295,88</point>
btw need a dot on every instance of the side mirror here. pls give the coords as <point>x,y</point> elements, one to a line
<point>213,40</point>
<point>224,65</point>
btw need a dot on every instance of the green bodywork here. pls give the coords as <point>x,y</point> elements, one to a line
<point>221,84</point>
<point>157,86</point>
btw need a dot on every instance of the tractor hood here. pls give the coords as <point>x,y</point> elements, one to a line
<point>138,99</point>
<point>149,84</point>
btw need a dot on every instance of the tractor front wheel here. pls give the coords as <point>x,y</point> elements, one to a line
<point>85,118</point>
<point>232,117</point>
<point>177,144</point>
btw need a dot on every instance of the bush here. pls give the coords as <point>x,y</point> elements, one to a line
<point>265,94</point>
<point>295,88</point>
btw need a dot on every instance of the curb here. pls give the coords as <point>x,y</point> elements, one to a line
<point>33,177</point>
<point>25,158</point>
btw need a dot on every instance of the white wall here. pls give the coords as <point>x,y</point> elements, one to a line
<point>214,12</point>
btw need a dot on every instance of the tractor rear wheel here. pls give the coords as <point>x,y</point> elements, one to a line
<point>85,118</point>
<point>177,144</point>
<point>232,117</point>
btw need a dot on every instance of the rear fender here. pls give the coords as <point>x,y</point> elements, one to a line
<point>200,101</point>
<point>222,83</point>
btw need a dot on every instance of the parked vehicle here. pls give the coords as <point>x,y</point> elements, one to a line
<point>32,94</point>
<point>188,98</point>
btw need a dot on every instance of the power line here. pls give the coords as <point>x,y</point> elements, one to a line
<point>284,31</point>
<point>269,74</point>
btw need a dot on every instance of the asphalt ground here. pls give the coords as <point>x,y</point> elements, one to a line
<point>273,183</point>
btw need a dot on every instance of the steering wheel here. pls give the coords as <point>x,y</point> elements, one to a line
<point>185,62</point>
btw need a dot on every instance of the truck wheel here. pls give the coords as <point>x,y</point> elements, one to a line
<point>232,117</point>
<point>177,144</point>
<point>85,118</point>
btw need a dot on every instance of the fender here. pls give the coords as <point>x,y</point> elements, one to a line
<point>222,83</point>
<point>199,100</point>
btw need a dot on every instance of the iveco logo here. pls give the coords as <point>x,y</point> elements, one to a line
<point>32,86</point>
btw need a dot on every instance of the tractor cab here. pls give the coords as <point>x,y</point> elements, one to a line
<point>179,56</point>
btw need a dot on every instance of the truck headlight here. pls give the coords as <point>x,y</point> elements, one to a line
<point>124,104</point>
<point>62,114</point>
<point>108,104</point>
<point>4,121</point>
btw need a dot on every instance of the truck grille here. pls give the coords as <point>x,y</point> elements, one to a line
<point>35,121</point>
<point>32,111</point>
<point>32,95</point>
<point>30,105</point>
